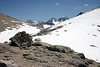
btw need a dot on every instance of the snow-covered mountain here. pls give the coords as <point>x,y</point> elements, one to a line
<point>81,33</point>
<point>40,23</point>
<point>52,21</point>
<point>10,26</point>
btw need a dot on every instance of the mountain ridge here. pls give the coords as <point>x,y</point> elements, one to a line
<point>51,21</point>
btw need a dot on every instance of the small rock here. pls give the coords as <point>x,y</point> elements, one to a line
<point>41,44</point>
<point>98,25</point>
<point>34,58</point>
<point>75,56</point>
<point>6,42</point>
<point>90,61</point>
<point>38,39</point>
<point>82,65</point>
<point>81,55</point>
<point>76,62</point>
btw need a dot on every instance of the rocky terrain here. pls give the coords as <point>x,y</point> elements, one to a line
<point>7,21</point>
<point>23,52</point>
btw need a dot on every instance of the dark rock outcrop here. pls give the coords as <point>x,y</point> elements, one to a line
<point>80,13</point>
<point>81,55</point>
<point>21,39</point>
<point>50,22</point>
<point>63,19</point>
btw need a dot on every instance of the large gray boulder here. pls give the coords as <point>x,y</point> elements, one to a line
<point>21,39</point>
<point>61,49</point>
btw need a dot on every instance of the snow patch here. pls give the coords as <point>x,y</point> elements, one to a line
<point>6,35</point>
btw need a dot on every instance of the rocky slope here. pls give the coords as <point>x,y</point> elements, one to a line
<point>40,54</point>
<point>9,26</point>
<point>7,21</point>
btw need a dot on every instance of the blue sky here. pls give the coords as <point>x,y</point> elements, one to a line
<point>42,10</point>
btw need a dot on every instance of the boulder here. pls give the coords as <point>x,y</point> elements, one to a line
<point>75,56</point>
<point>61,49</point>
<point>77,62</point>
<point>81,55</point>
<point>21,39</point>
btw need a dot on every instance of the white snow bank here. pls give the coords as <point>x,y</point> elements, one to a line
<point>5,35</point>
<point>78,33</point>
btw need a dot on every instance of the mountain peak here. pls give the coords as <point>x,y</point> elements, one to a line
<point>63,19</point>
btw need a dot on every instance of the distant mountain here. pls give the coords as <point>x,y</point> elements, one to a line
<point>51,21</point>
<point>63,19</point>
<point>40,23</point>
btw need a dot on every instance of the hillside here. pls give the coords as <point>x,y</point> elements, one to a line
<point>23,52</point>
<point>81,33</point>
<point>9,26</point>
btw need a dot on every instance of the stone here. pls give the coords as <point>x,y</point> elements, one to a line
<point>37,39</point>
<point>41,44</point>
<point>6,42</point>
<point>81,55</point>
<point>82,65</point>
<point>21,39</point>
<point>34,58</point>
<point>77,62</point>
<point>74,55</point>
<point>61,49</point>
<point>2,64</point>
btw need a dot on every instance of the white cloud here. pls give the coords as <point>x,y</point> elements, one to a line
<point>86,5</point>
<point>57,3</point>
<point>75,7</point>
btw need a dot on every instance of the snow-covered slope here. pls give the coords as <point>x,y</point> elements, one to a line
<point>81,33</point>
<point>10,26</point>
<point>7,34</point>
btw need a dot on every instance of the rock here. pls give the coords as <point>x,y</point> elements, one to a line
<point>63,19</point>
<point>61,49</point>
<point>82,65</point>
<point>90,61</point>
<point>80,13</point>
<point>75,56</point>
<point>21,39</point>
<point>98,25</point>
<point>2,64</point>
<point>6,42</point>
<point>77,62</point>
<point>8,63</point>
<point>34,58</point>
<point>41,44</point>
<point>81,55</point>
<point>38,39</point>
